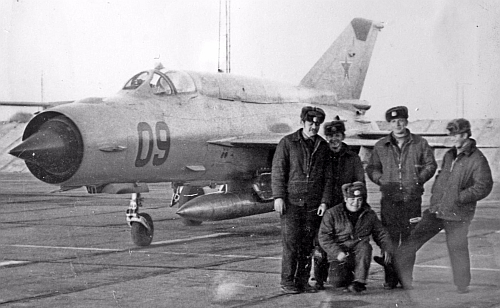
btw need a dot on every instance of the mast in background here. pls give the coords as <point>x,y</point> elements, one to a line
<point>227,28</point>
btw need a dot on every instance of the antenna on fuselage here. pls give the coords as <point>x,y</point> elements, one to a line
<point>159,66</point>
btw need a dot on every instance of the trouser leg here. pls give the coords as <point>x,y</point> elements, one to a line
<point>310,232</point>
<point>458,249</point>
<point>392,225</point>
<point>362,256</point>
<point>427,228</point>
<point>323,270</point>
<point>390,274</point>
<point>395,216</point>
<point>341,273</point>
<point>321,265</point>
<point>291,228</point>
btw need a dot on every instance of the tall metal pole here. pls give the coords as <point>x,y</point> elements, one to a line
<point>218,52</point>
<point>227,39</point>
<point>229,35</point>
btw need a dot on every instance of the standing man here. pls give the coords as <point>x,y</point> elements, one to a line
<point>346,165</point>
<point>400,164</point>
<point>464,178</point>
<point>301,184</point>
<point>346,168</point>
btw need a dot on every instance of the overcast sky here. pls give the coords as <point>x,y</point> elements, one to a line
<point>432,55</point>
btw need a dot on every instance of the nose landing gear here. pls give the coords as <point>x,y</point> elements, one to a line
<point>141,225</point>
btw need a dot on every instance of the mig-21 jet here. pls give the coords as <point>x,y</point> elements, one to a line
<point>197,130</point>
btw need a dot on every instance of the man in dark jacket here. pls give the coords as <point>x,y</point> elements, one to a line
<point>464,178</point>
<point>400,164</point>
<point>345,236</point>
<point>301,184</point>
<point>346,165</point>
<point>346,168</point>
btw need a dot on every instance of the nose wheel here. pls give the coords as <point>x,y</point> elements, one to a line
<point>142,236</point>
<point>141,225</point>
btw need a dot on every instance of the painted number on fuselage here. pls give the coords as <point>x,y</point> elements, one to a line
<point>147,140</point>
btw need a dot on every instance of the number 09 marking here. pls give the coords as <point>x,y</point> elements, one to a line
<point>147,140</point>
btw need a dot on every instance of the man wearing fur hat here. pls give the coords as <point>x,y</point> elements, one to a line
<point>345,236</point>
<point>465,178</point>
<point>301,185</point>
<point>346,165</point>
<point>400,164</point>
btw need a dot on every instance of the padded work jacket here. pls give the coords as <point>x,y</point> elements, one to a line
<point>337,234</point>
<point>462,181</point>
<point>301,176</point>
<point>401,173</point>
<point>346,168</point>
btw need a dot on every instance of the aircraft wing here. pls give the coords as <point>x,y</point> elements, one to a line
<point>377,134</point>
<point>369,138</point>
<point>271,141</point>
<point>355,142</point>
<point>252,141</point>
<point>33,104</point>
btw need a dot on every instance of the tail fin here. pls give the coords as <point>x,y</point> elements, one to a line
<point>342,68</point>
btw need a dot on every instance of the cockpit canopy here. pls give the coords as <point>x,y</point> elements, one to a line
<point>163,82</point>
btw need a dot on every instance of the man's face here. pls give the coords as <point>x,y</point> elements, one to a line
<point>311,129</point>
<point>335,140</point>
<point>398,126</point>
<point>353,204</point>
<point>458,140</point>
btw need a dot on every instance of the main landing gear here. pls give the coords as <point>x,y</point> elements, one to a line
<point>141,225</point>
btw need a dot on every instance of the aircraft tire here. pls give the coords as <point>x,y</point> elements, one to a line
<point>140,235</point>
<point>186,195</point>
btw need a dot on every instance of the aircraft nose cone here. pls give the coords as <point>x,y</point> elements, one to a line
<point>41,147</point>
<point>53,152</point>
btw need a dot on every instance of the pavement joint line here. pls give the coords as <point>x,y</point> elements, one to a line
<point>67,248</point>
<point>13,262</point>
<point>7,263</point>
<point>449,267</point>
<point>212,255</point>
<point>194,238</point>
<point>189,239</point>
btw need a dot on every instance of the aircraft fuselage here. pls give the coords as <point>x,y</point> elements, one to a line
<point>139,136</point>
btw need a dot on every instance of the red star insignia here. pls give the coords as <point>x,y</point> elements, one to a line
<point>346,65</point>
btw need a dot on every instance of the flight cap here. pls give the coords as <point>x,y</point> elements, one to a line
<point>396,113</point>
<point>354,190</point>
<point>312,114</point>
<point>458,126</point>
<point>334,127</point>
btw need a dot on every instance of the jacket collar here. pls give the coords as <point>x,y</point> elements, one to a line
<point>390,138</point>
<point>343,150</point>
<point>297,136</point>
<point>469,148</point>
<point>365,207</point>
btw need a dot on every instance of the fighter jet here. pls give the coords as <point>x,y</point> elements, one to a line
<point>197,131</point>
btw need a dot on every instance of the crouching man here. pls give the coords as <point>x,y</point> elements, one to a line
<point>344,234</point>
